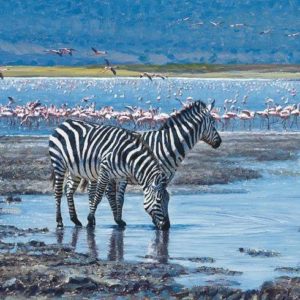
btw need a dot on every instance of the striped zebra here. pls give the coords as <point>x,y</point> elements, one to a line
<point>99,154</point>
<point>170,144</point>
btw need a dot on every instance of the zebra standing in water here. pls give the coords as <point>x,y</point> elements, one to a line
<point>102,153</point>
<point>170,144</point>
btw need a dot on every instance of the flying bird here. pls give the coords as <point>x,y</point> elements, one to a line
<point>145,74</point>
<point>197,24</point>
<point>216,24</point>
<point>293,34</point>
<point>87,99</point>
<point>54,51</point>
<point>267,31</point>
<point>98,52</point>
<point>109,67</point>
<point>66,51</point>
<point>237,25</point>
<point>11,100</point>
<point>159,76</point>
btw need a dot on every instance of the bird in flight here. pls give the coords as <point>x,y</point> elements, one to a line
<point>66,51</point>
<point>267,31</point>
<point>145,74</point>
<point>197,23</point>
<point>11,101</point>
<point>159,76</point>
<point>109,67</point>
<point>237,25</point>
<point>99,52</point>
<point>53,51</point>
<point>293,34</point>
<point>216,24</point>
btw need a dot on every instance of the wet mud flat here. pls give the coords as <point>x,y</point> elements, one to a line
<point>25,163</point>
<point>37,269</point>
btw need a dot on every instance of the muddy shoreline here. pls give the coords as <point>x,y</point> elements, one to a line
<point>36,269</point>
<point>25,165</point>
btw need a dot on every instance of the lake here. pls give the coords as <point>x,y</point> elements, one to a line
<point>120,92</point>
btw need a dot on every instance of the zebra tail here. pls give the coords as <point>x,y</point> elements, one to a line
<point>83,185</point>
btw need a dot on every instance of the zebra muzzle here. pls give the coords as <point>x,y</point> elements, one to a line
<point>163,225</point>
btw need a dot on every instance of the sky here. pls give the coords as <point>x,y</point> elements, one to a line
<point>151,32</point>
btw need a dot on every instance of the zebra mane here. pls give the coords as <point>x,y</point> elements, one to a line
<point>169,123</point>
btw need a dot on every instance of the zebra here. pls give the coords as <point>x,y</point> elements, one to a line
<point>100,153</point>
<point>170,144</point>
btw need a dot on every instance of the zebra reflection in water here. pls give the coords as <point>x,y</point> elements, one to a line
<point>157,250</point>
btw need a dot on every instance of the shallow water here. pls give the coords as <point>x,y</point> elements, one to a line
<point>259,214</point>
<point>119,92</point>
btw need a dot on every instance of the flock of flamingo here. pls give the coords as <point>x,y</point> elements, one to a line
<point>34,113</point>
<point>152,102</point>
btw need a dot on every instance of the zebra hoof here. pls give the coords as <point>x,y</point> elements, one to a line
<point>77,223</point>
<point>121,223</point>
<point>91,221</point>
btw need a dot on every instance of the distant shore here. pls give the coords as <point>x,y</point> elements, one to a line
<point>169,70</point>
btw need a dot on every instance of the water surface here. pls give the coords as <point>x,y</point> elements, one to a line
<point>259,214</point>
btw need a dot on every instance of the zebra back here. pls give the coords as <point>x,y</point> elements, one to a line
<point>80,147</point>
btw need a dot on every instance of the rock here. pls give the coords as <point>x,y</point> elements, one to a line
<point>288,269</point>
<point>9,283</point>
<point>213,271</point>
<point>79,282</point>
<point>258,252</point>
<point>36,243</point>
<point>6,246</point>
<point>195,259</point>
<point>11,199</point>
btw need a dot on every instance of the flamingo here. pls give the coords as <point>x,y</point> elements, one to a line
<point>98,52</point>
<point>145,74</point>
<point>108,67</point>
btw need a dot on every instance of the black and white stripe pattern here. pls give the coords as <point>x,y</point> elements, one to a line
<point>170,144</point>
<point>100,154</point>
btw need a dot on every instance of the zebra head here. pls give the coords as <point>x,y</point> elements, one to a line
<point>156,202</point>
<point>209,132</point>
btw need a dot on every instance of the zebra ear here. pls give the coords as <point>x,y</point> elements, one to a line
<point>211,105</point>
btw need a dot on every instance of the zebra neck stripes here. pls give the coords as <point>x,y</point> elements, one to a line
<point>176,138</point>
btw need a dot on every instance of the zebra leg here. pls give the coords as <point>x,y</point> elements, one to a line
<point>72,185</point>
<point>110,193</point>
<point>102,182</point>
<point>92,191</point>
<point>58,191</point>
<point>120,201</point>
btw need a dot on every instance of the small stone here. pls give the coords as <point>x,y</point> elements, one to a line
<point>36,243</point>
<point>9,283</point>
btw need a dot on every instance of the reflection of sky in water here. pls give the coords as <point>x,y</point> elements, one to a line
<point>119,92</point>
<point>207,224</point>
